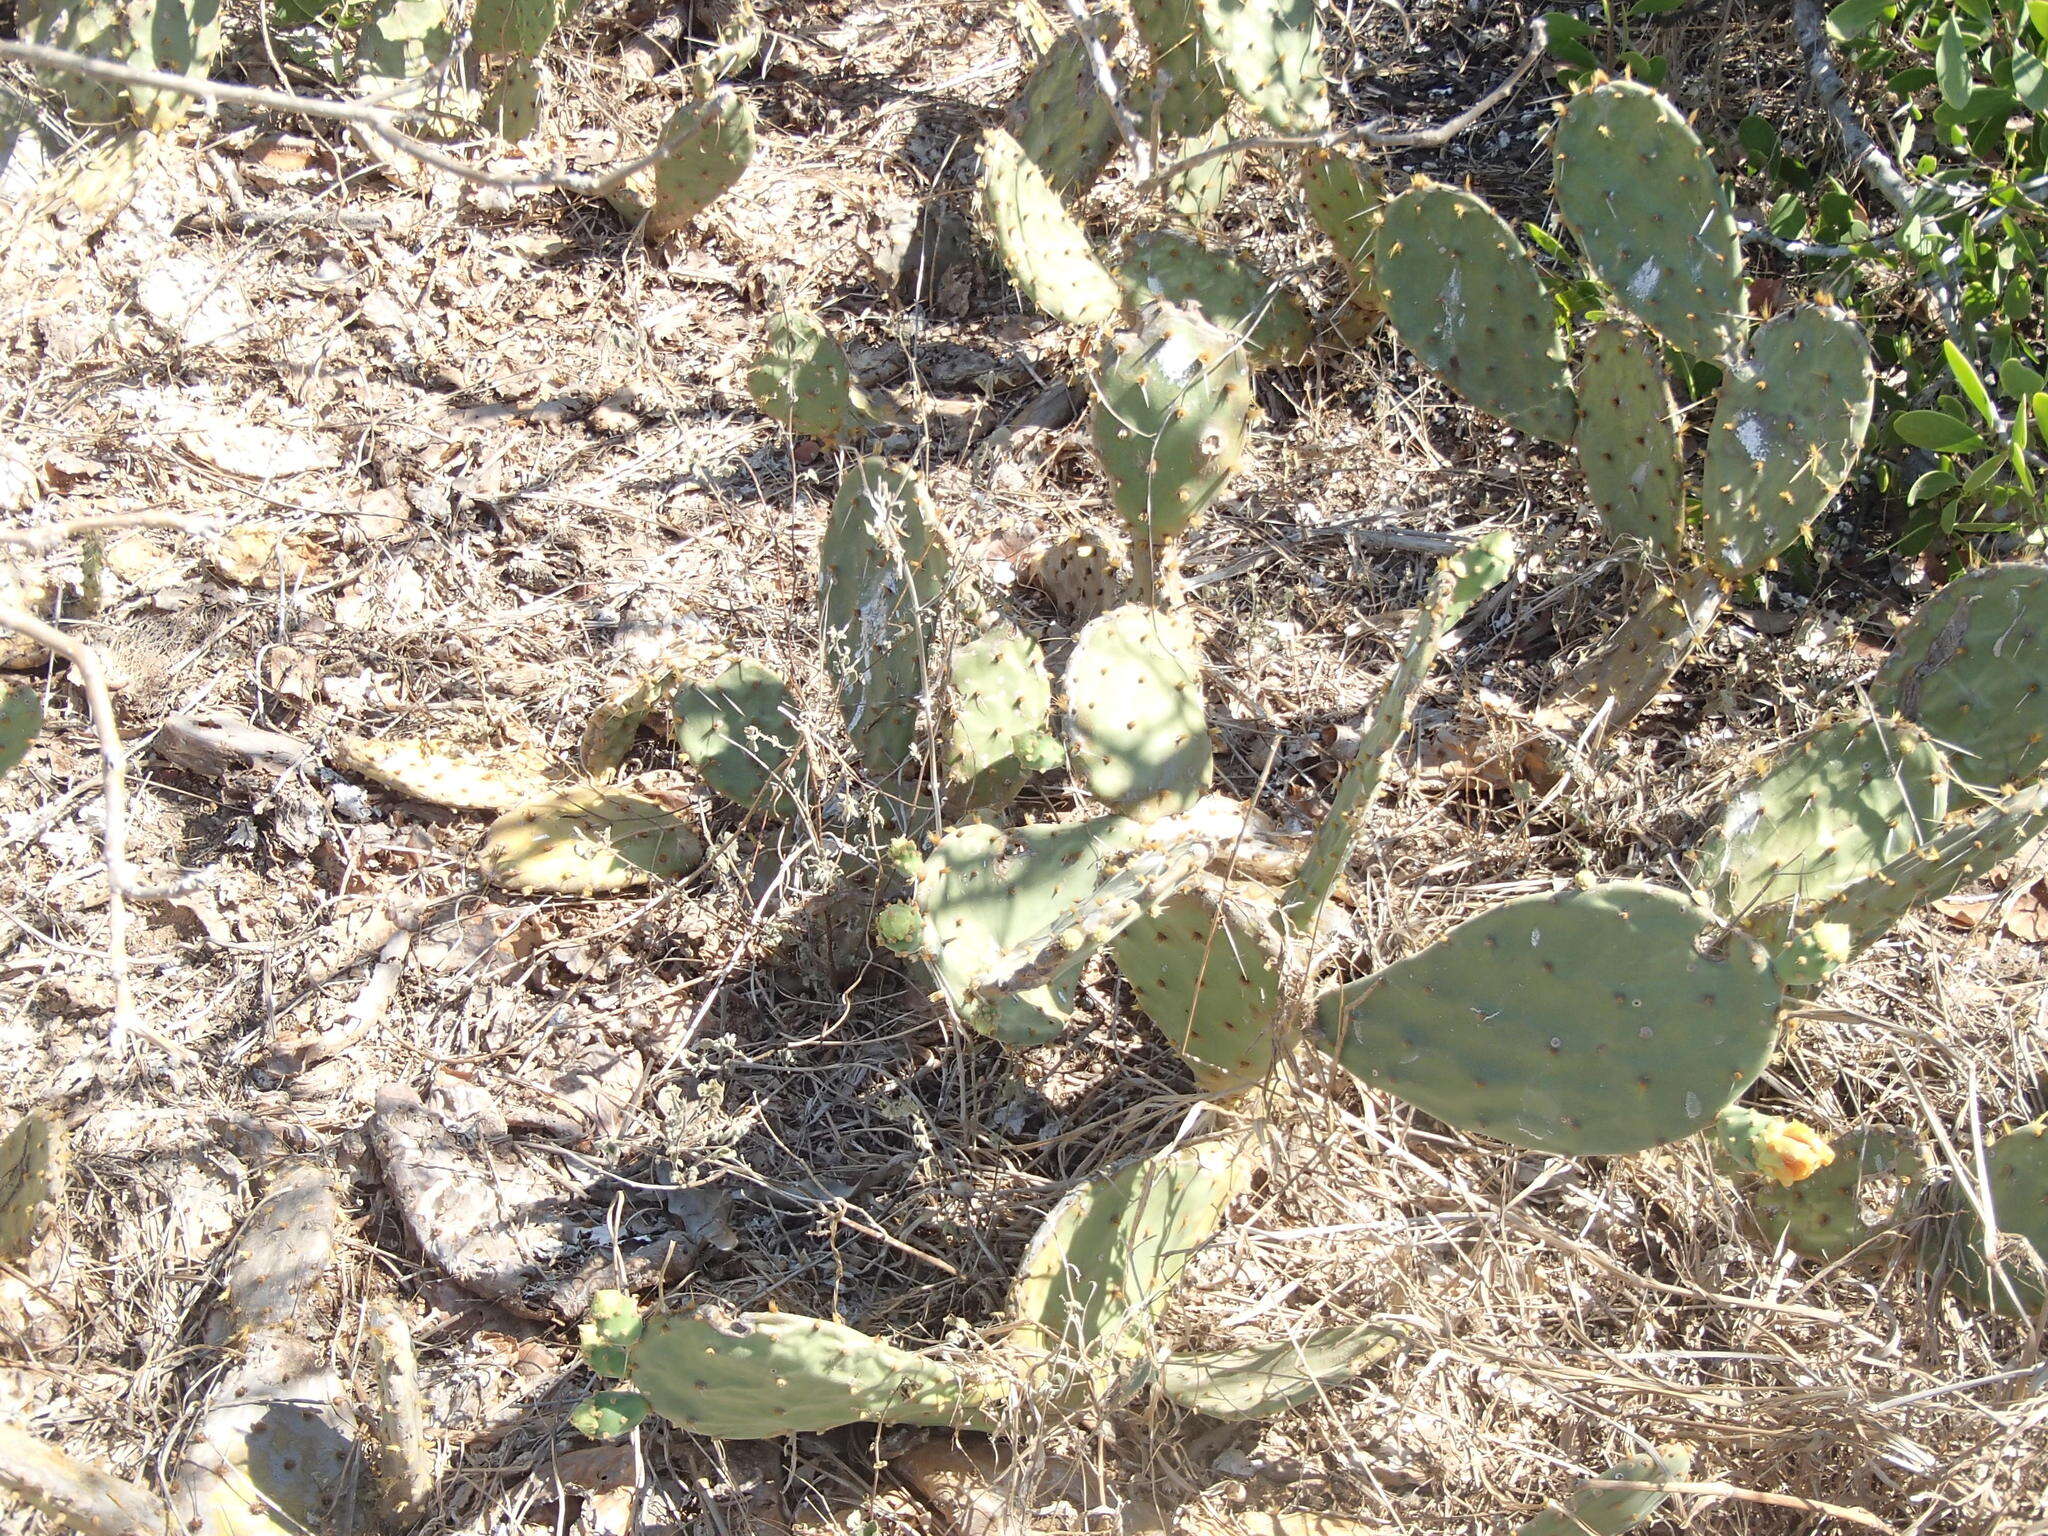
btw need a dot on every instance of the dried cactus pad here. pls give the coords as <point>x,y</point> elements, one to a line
<point>1172,402</point>
<point>1838,804</point>
<point>21,716</point>
<point>2016,1180</point>
<point>1209,967</point>
<point>1971,667</point>
<point>33,1160</point>
<point>1593,1511</point>
<point>1103,1267</point>
<point>1821,1216</point>
<point>996,737</point>
<point>1043,247</point>
<point>737,728</point>
<point>1787,430</point>
<point>589,839</point>
<point>1261,1380</point>
<point>1061,119</point>
<point>1225,289</point>
<point>1636,188</point>
<point>762,1374</point>
<point>801,380</point>
<point>1272,53</point>
<point>1585,1022</point>
<point>1137,734</point>
<point>440,773</point>
<point>1628,442</point>
<point>1466,299</point>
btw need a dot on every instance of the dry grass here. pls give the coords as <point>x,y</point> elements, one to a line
<point>538,464</point>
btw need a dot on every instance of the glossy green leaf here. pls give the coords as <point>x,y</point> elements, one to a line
<point>1952,63</point>
<point>2037,17</point>
<point>1852,18</point>
<point>1758,138</point>
<point>2016,380</point>
<point>1936,430</point>
<point>2030,79</point>
<point>1971,383</point>
<point>1936,482</point>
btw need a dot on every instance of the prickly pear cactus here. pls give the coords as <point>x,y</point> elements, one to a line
<point>802,381</point>
<point>2016,1184</point>
<point>1085,573</point>
<point>1209,965</point>
<point>1971,667</point>
<point>1822,1215</point>
<point>1260,1380</point>
<point>996,734</point>
<point>1595,1511</point>
<point>167,35</point>
<point>1781,1150</point>
<point>441,774</point>
<point>1271,51</point>
<point>512,109</point>
<point>757,1375</point>
<point>735,725</point>
<point>1787,429</point>
<point>1101,1270</point>
<point>33,1160</point>
<point>1628,442</point>
<point>1061,120</point>
<point>1137,734</point>
<point>1172,402</point>
<point>1047,253</point>
<point>516,28</point>
<point>609,734</point>
<point>711,144</point>
<point>588,840</point>
<point>1636,188</point>
<point>1624,676</point>
<point>1833,808</point>
<point>1197,192</point>
<point>1225,290</point>
<point>1591,1021</point>
<point>884,565</point>
<point>1189,93</point>
<point>402,44</point>
<point>1343,192</point>
<point>1466,299</point>
<point>21,716</point>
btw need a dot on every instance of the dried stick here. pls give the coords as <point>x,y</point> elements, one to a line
<point>74,1492</point>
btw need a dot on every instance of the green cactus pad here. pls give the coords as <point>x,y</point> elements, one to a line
<point>735,44</point>
<point>608,1415</point>
<point>1197,193</point>
<point>2016,1180</point>
<point>1061,120</point>
<point>1189,93</point>
<point>763,1374</point>
<point>1137,735</point>
<point>984,891</point>
<point>1224,289</point>
<point>1822,1216</point>
<point>33,1161</point>
<point>1343,192</point>
<point>401,43</point>
<point>1209,966</point>
<point>883,566</point>
<point>1628,442</point>
<point>1838,804</point>
<point>1261,1380</point>
<point>609,1332</point>
<point>512,109</point>
<point>1971,668</point>
<point>1636,188</point>
<point>1172,402</point>
<point>170,35</point>
<point>1592,1511</point>
<point>1787,430</point>
<point>21,716</point>
<point>1582,1023</point>
<point>1046,252</point>
<point>1960,852</point>
<point>996,737</point>
<point>516,28</point>
<point>711,143</point>
<point>587,840</point>
<point>1466,299</point>
<point>801,381</point>
<point>1100,1272</point>
<point>1272,53</point>
<point>736,726</point>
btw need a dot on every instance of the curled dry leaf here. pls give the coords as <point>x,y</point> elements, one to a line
<point>266,556</point>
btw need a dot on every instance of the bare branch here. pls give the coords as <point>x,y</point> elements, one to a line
<point>36,540</point>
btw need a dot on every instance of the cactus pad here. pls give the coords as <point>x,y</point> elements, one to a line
<point>1261,1380</point>
<point>1197,192</point>
<point>736,727</point>
<point>512,109</point>
<point>608,1415</point>
<point>1172,402</point>
<point>1061,120</point>
<point>1821,1216</point>
<point>516,28</point>
<point>1628,442</point>
<point>1636,188</point>
<point>587,840</point>
<point>1971,667</point>
<point>1343,192</point>
<point>169,35</point>
<point>1781,1150</point>
<point>762,1374</point>
<point>882,566</point>
<point>1839,804</point>
<point>609,734</point>
<point>1466,299</point>
<point>1229,292</point>
<point>1189,95</point>
<point>801,381</point>
<point>21,716</point>
<point>2016,1182</point>
<point>33,1160</point>
<point>1137,735</point>
<point>711,144</point>
<point>1209,966</point>
<point>1047,254</point>
<point>1581,1023</point>
<point>1592,1511</point>
<point>1103,1267</point>
<point>1786,432</point>
<point>1085,573</point>
<point>996,735</point>
<point>439,774</point>
<point>1272,53</point>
